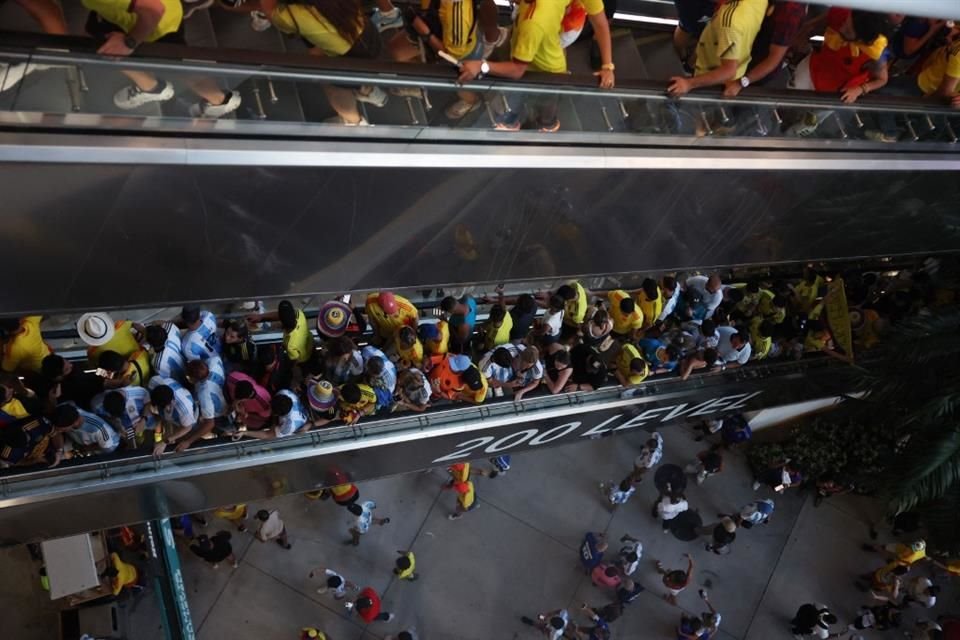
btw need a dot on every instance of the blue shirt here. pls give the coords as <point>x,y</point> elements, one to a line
<point>590,556</point>
<point>386,380</point>
<point>183,411</point>
<point>202,342</point>
<point>209,392</point>
<point>913,28</point>
<point>94,431</point>
<point>168,362</point>
<point>295,419</point>
<point>470,317</point>
<point>137,399</point>
<point>649,347</point>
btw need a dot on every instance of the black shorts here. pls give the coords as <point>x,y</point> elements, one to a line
<point>694,15</point>
<point>99,29</point>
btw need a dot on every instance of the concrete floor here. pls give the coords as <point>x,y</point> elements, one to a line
<point>517,555</point>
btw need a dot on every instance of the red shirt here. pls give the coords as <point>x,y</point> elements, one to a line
<point>839,63</point>
<point>370,613</point>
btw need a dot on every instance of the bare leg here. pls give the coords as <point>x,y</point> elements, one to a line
<point>208,89</point>
<point>143,80</point>
<point>343,103</point>
<point>401,49</point>
<point>385,6</point>
<point>47,13</point>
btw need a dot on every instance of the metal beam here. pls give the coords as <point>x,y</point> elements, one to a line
<point>922,8</point>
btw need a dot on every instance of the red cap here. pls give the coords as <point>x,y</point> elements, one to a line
<point>388,302</point>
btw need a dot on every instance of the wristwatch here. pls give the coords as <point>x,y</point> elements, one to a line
<point>130,42</point>
<point>484,67</point>
<point>744,82</point>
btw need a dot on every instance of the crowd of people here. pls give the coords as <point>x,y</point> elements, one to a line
<point>731,44</point>
<point>167,386</point>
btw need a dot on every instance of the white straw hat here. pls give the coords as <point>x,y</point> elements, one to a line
<point>95,329</point>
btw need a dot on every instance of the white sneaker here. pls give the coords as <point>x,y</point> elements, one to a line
<point>756,485</point>
<point>376,96</point>
<point>390,616</point>
<point>196,5</point>
<point>204,109</point>
<point>133,96</point>
<point>488,47</point>
<point>259,21</point>
<point>389,20</point>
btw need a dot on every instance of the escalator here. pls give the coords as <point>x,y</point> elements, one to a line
<point>87,493</point>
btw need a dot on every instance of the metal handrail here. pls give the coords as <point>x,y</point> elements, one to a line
<point>15,483</point>
<point>70,50</point>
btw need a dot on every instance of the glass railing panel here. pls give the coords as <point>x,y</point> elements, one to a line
<point>82,89</point>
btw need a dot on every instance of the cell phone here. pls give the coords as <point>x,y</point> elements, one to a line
<point>103,373</point>
<point>449,58</point>
<point>779,488</point>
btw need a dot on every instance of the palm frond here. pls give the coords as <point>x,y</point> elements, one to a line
<point>926,470</point>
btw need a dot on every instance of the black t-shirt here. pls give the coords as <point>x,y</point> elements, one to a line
<point>581,375</point>
<point>521,323</point>
<point>722,536</point>
<point>78,387</point>
<point>627,596</point>
<point>216,550</point>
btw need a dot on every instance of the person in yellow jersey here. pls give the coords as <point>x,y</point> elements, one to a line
<point>101,333</point>
<point>122,575</point>
<point>297,338</point>
<point>387,312</point>
<point>355,402</point>
<point>407,348</point>
<point>576,303</point>
<point>761,338</point>
<point>807,291</point>
<point>464,29</point>
<point>23,345</point>
<point>496,330</point>
<point>723,51</point>
<point>406,566</point>
<point>631,369</point>
<point>123,25</point>
<point>938,80</point>
<point>650,301</point>
<point>772,307</point>
<point>627,317</point>
<point>131,370</point>
<point>331,28</point>
<point>10,405</point>
<point>536,46</point>
<point>235,514</point>
<point>312,633</point>
<point>466,499</point>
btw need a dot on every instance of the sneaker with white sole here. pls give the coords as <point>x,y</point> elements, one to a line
<point>204,109</point>
<point>489,47</point>
<point>460,108</point>
<point>133,96</point>
<point>195,5</point>
<point>375,96</point>
<point>259,21</point>
<point>880,136</point>
<point>389,20</point>
<point>406,92</point>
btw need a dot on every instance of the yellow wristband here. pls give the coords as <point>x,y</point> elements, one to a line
<point>157,436</point>
<point>608,67</point>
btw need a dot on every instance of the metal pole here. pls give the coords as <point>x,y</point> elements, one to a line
<point>923,8</point>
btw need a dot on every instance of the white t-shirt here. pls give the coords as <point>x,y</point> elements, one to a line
<point>616,496</point>
<point>270,528</point>
<point>339,591</point>
<point>710,300</point>
<point>557,634</point>
<point>630,567</point>
<point>726,350</point>
<point>670,304</point>
<point>649,458</point>
<point>552,321</point>
<point>668,510</point>
<point>366,517</point>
